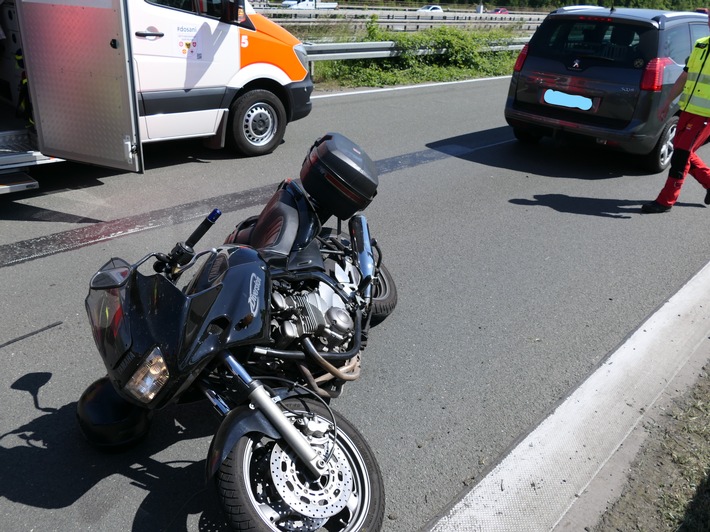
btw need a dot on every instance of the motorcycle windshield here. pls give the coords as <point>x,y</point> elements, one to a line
<point>127,321</point>
<point>105,309</point>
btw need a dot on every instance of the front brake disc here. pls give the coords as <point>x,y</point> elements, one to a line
<point>320,498</point>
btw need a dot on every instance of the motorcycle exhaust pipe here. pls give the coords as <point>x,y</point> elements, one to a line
<point>362,246</point>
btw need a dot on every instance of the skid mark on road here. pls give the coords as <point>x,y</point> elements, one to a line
<point>44,246</point>
<point>33,333</point>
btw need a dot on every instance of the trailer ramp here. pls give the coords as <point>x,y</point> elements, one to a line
<point>17,153</point>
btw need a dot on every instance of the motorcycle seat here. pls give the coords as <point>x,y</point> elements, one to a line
<point>275,230</point>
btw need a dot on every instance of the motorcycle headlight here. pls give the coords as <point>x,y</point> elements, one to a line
<point>149,378</point>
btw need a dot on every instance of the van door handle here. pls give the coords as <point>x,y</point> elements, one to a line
<point>150,34</point>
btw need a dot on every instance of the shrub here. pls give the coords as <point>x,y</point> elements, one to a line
<point>454,54</point>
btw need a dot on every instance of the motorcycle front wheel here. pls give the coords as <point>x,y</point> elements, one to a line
<point>263,486</point>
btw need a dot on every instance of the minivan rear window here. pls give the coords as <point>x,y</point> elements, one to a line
<point>601,40</point>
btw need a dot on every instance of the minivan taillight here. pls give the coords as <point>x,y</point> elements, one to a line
<point>521,58</point>
<point>652,79</point>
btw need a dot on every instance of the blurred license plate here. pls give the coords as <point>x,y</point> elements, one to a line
<point>562,99</point>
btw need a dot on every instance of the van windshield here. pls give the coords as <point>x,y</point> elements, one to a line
<point>604,41</point>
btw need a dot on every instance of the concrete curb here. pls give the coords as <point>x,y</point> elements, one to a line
<point>567,470</point>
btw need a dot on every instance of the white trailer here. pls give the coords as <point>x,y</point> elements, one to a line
<point>106,76</point>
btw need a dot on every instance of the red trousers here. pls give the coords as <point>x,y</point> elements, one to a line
<point>692,132</point>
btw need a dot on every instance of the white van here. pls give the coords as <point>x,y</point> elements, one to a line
<point>106,76</point>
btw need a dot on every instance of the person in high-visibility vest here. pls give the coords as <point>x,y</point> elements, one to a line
<point>693,86</point>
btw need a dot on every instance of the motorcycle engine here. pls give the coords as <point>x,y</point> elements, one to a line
<point>319,313</point>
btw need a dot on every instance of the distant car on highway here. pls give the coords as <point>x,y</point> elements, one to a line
<point>430,9</point>
<point>500,11</point>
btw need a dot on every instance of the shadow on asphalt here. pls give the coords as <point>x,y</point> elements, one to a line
<point>47,464</point>
<point>177,152</point>
<point>22,212</point>
<point>605,208</point>
<point>498,148</point>
<point>68,175</point>
<point>557,159</point>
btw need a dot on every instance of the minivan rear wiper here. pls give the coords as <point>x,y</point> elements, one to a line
<point>594,56</point>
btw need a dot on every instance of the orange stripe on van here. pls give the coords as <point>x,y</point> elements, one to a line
<point>272,44</point>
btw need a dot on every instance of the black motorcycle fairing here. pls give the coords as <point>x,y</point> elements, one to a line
<point>211,270</point>
<point>104,307</point>
<point>309,225</point>
<point>241,314</point>
<point>128,321</point>
<point>308,258</point>
<point>189,329</point>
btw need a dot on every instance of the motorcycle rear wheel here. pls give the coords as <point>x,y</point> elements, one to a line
<point>384,296</point>
<point>250,482</point>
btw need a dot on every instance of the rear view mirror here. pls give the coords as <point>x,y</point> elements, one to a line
<point>235,12</point>
<point>113,274</point>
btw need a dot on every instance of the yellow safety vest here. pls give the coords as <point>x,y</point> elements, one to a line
<point>696,92</point>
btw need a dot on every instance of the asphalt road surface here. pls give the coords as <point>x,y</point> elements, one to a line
<point>519,270</point>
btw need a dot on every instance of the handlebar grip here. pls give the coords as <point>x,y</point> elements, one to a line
<point>205,226</point>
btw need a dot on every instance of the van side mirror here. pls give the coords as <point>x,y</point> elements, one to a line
<point>234,12</point>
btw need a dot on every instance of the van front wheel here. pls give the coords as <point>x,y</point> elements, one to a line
<point>257,122</point>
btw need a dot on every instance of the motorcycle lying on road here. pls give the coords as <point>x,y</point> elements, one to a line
<point>269,328</point>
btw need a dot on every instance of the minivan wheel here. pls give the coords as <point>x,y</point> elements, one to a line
<point>526,136</point>
<point>660,157</point>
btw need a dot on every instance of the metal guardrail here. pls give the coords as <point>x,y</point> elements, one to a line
<point>351,50</point>
<point>377,50</point>
<point>401,20</point>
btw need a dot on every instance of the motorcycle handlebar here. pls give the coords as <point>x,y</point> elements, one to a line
<point>205,226</point>
<point>160,265</point>
<point>183,252</point>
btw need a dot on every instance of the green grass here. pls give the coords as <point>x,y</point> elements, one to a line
<point>686,497</point>
<point>462,54</point>
<point>668,487</point>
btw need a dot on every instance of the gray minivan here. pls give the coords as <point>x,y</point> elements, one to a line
<point>599,74</point>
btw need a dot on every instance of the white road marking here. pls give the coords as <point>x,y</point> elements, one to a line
<point>318,96</point>
<point>535,485</point>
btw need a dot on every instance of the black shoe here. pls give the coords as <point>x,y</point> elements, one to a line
<point>707,197</point>
<point>654,208</point>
